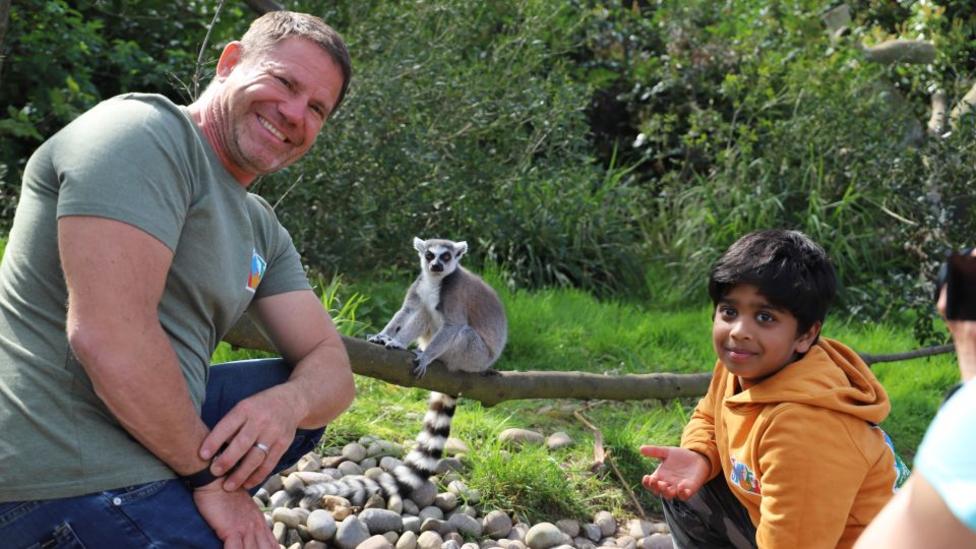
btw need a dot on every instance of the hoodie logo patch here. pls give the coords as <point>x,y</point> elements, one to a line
<point>744,478</point>
<point>258,265</point>
<point>901,470</point>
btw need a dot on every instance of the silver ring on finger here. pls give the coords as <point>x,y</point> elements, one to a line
<point>263,447</point>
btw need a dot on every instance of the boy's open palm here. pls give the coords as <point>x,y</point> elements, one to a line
<point>681,472</point>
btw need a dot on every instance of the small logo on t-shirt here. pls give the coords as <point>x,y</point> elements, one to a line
<point>258,265</point>
<point>744,478</point>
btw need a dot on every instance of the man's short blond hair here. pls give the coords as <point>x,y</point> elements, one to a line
<point>275,26</point>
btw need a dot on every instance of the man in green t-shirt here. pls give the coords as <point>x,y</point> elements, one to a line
<point>134,250</point>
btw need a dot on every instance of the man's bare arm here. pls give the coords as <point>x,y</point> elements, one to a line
<point>115,274</point>
<point>319,389</point>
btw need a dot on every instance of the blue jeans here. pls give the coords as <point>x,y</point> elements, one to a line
<point>155,514</point>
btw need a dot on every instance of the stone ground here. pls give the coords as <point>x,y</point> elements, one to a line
<point>428,519</point>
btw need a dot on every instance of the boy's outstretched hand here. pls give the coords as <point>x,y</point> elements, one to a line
<point>681,472</point>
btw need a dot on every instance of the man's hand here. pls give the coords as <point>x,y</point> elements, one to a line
<point>268,418</point>
<point>964,338</point>
<point>234,517</point>
<point>681,472</point>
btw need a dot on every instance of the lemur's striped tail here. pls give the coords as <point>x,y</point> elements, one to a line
<point>419,464</point>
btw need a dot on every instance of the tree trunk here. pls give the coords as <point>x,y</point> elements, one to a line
<point>4,17</point>
<point>395,367</point>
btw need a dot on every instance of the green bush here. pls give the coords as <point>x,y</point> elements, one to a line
<point>463,123</point>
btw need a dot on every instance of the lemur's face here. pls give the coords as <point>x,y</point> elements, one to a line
<point>439,257</point>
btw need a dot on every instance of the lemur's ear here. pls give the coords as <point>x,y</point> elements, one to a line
<point>418,244</point>
<point>460,248</point>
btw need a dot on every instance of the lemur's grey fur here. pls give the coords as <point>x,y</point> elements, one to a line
<point>454,317</point>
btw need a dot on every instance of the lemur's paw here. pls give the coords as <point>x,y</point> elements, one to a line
<point>378,339</point>
<point>419,367</point>
<point>491,372</point>
<point>394,344</point>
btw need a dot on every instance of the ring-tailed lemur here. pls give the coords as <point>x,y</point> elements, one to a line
<point>454,317</point>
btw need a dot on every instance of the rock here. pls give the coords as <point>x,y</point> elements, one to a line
<point>313,477</point>
<point>569,526</point>
<point>287,516</point>
<point>279,531</point>
<point>592,532</point>
<point>424,494</point>
<point>583,543</point>
<point>440,526</point>
<point>656,541</point>
<point>368,463</point>
<point>545,535</point>
<point>409,507</point>
<point>341,513</point>
<point>315,544</point>
<point>408,540</point>
<point>638,528</point>
<point>351,532</point>
<point>391,537</point>
<point>349,468</point>
<point>294,485</point>
<point>321,525</point>
<point>661,528</point>
<point>330,503</point>
<point>627,542</point>
<point>455,446</point>
<point>558,440</point>
<point>279,499</point>
<point>354,451</point>
<point>395,504</point>
<point>446,501</point>
<point>450,544</point>
<point>375,501</point>
<point>488,544</point>
<point>411,523</point>
<point>497,524</point>
<point>380,521</point>
<point>273,484</point>
<point>429,540</point>
<point>431,512</point>
<point>467,510</point>
<point>332,462</point>
<point>375,542</point>
<point>388,463</point>
<point>468,495</point>
<point>466,525</point>
<point>607,542</point>
<point>456,538</point>
<point>518,532</point>
<point>447,465</point>
<point>521,436</point>
<point>511,544</point>
<point>470,545</point>
<point>606,522</point>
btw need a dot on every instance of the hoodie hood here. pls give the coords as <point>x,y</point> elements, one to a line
<point>830,376</point>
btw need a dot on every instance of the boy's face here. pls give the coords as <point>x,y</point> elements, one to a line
<point>755,339</point>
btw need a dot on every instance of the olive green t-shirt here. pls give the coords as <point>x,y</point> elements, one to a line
<point>141,160</point>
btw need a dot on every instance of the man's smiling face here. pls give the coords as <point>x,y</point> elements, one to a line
<point>273,105</point>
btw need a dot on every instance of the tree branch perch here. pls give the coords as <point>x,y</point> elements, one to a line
<point>395,367</point>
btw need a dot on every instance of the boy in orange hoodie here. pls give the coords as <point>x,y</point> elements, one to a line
<point>784,450</point>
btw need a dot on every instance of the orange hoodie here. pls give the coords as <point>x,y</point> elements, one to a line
<point>800,449</point>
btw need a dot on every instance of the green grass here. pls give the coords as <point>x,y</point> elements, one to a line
<point>570,330</point>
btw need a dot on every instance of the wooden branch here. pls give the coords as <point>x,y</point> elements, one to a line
<point>907,355</point>
<point>937,120</point>
<point>919,52</point>
<point>262,7</point>
<point>963,107</point>
<point>395,367</point>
